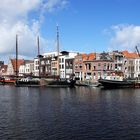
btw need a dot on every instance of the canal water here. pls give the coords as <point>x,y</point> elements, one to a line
<point>69,114</point>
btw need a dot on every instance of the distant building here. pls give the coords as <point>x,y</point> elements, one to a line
<point>11,67</point>
<point>1,67</point>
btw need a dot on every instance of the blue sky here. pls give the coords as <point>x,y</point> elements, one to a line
<point>85,25</point>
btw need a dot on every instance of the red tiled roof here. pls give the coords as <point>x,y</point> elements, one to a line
<point>19,62</point>
<point>130,55</point>
<point>90,56</point>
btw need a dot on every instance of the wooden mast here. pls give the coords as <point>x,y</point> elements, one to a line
<point>38,45</point>
<point>16,56</point>
<point>58,69</point>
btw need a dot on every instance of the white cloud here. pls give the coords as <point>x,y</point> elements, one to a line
<point>13,10</point>
<point>14,19</point>
<point>51,5</point>
<point>124,37</point>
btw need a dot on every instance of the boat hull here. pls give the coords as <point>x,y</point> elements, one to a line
<point>115,84</point>
<point>7,82</point>
<point>48,83</point>
<point>32,83</point>
<point>61,83</point>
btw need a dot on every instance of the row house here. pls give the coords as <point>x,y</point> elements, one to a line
<point>88,67</point>
<point>49,64</point>
<point>24,67</point>
<point>98,66</point>
<point>118,58</point>
<point>66,62</point>
<point>131,65</point>
<point>78,66</point>
<point>27,68</point>
<point>93,66</point>
<point>45,66</point>
<point>36,66</point>
<point>11,67</point>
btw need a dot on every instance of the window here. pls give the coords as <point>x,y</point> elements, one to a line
<point>108,66</point>
<point>36,67</point>
<point>42,62</point>
<point>76,66</point>
<point>89,66</point>
<point>62,66</point>
<point>67,64</point>
<point>36,62</point>
<point>80,66</point>
<point>99,66</point>
<point>104,66</point>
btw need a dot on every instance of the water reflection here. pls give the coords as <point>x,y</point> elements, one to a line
<point>64,113</point>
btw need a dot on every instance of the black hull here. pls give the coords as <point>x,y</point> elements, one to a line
<point>59,83</point>
<point>115,84</point>
<point>53,83</point>
<point>27,83</point>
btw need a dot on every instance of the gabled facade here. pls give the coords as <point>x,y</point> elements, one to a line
<point>11,67</point>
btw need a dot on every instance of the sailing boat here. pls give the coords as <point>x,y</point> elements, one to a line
<point>26,81</point>
<point>60,82</point>
<point>10,80</point>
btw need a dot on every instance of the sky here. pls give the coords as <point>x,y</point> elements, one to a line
<point>84,26</point>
